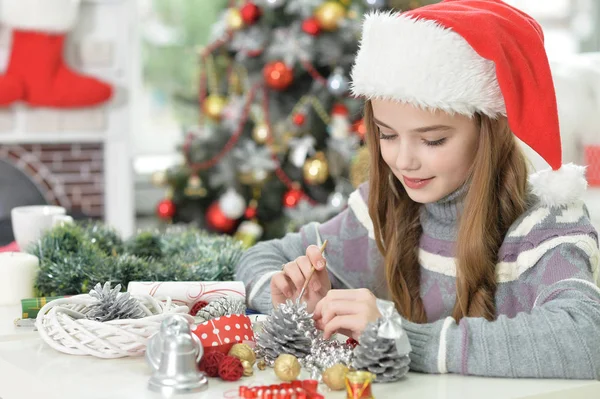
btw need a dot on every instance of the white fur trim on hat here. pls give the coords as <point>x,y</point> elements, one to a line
<point>420,62</point>
<point>559,187</point>
<point>40,15</point>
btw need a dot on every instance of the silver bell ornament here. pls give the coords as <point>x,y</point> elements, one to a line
<point>173,354</point>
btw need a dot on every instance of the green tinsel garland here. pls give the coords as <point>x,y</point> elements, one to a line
<point>75,257</point>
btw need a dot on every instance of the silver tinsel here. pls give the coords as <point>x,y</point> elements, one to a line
<point>220,307</point>
<point>380,355</point>
<point>289,329</point>
<point>324,354</point>
<point>291,44</point>
<point>112,304</point>
<point>253,158</point>
<point>303,8</point>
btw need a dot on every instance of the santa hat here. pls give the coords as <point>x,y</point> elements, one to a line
<point>467,57</point>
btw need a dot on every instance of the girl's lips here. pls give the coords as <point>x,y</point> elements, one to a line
<point>416,183</point>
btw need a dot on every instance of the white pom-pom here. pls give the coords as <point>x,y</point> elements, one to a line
<point>559,187</point>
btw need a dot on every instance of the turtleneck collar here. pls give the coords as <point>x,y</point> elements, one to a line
<point>440,219</point>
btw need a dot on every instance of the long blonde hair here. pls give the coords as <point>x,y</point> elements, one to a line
<point>496,197</point>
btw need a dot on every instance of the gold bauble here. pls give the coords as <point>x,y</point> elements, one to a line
<point>194,187</point>
<point>359,167</point>
<point>329,15</point>
<point>243,352</point>
<point>262,365</point>
<point>287,367</point>
<point>248,368</point>
<point>335,377</point>
<point>159,178</point>
<point>316,169</point>
<point>253,178</point>
<point>234,19</point>
<point>260,133</point>
<point>213,106</point>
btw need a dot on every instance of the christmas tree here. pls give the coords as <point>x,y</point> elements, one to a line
<point>278,130</point>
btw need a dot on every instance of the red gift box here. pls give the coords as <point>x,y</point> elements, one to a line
<point>221,333</point>
<point>592,160</point>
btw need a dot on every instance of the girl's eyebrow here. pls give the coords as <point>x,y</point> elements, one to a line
<point>422,129</point>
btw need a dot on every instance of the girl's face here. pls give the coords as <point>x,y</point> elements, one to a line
<point>430,152</point>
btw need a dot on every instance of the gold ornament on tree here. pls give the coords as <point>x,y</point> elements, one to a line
<point>335,377</point>
<point>195,188</point>
<point>287,367</point>
<point>260,133</point>
<point>234,19</point>
<point>213,106</point>
<point>329,15</point>
<point>316,169</point>
<point>159,178</point>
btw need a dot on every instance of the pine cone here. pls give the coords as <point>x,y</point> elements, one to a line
<point>111,304</point>
<point>290,329</point>
<point>220,307</point>
<point>379,356</point>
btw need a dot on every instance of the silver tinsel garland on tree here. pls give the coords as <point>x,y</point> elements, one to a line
<point>112,304</point>
<point>220,307</point>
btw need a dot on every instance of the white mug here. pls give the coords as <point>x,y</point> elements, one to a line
<point>17,276</point>
<point>30,222</point>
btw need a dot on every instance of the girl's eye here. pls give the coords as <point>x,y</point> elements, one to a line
<point>386,136</point>
<point>435,143</point>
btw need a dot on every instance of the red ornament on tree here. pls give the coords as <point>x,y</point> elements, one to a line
<point>299,119</point>
<point>217,219</point>
<point>359,128</point>
<point>250,13</point>
<point>231,368</point>
<point>292,197</point>
<point>165,209</point>
<point>311,26</point>
<point>250,212</point>
<point>277,75</point>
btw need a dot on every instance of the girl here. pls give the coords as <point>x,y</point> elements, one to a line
<point>493,273</point>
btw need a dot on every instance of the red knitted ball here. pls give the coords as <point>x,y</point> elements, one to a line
<point>231,368</point>
<point>210,363</point>
<point>352,342</point>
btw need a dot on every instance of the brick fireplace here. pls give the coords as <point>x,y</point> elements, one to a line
<point>67,174</point>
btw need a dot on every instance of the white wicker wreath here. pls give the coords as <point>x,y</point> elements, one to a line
<point>62,324</point>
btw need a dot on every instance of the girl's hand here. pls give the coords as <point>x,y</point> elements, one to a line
<point>346,311</point>
<point>288,283</point>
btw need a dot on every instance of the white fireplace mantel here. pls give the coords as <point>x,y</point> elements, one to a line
<point>103,44</point>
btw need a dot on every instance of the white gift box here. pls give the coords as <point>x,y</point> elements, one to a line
<point>189,293</point>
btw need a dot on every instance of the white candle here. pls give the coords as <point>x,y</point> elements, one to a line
<point>17,275</point>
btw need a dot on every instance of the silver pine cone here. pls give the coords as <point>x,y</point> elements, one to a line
<point>379,356</point>
<point>289,329</point>
<point>112,304</point>
<point>220,307</point>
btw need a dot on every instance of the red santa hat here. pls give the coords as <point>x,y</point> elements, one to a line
<point>467,57</point>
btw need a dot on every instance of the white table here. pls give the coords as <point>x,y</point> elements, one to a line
<point>29,369</point>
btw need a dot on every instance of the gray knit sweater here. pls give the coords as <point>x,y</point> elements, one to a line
<point>547,300</point>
